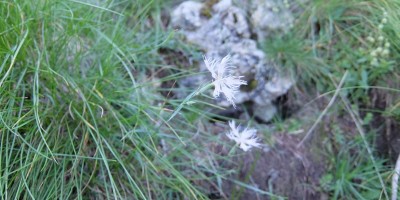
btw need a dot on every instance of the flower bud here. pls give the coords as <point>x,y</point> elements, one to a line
<point>385,52</point>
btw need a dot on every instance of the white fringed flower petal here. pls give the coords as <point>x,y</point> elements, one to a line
<point>224,81</point>
<point>246,139</point>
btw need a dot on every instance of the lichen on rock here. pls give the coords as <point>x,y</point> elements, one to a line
<point>187,15</point>
<point>270,15</point>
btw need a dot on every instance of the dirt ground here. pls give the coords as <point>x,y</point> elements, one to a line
<point>295,172</point>
<point>282,169</point>
<point>285,170</point>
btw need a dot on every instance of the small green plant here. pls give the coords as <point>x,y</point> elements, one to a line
<point>330,38</point>
<point>351,174</point>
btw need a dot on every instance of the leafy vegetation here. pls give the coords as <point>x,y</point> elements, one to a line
<point>82,114</point>
<point>359,38</point>
<point>77,115</point>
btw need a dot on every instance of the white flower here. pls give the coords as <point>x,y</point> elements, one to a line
<point>245,139</point>
<point>224,81</point>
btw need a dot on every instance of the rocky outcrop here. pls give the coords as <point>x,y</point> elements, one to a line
<point>223,28</point>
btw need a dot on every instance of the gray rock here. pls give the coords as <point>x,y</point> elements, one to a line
<point>271,15</point>
<point>227,31</point>
<point>223,28</point>
<point>187,15</point>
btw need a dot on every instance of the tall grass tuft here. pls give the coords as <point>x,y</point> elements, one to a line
<point>78,118</point>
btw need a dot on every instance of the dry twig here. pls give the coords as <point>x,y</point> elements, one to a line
<point>395,179</point>
<point>309,133</point>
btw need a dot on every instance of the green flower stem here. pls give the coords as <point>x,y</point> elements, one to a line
<point>190,96</point>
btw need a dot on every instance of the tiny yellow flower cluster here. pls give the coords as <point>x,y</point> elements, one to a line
<point>380,45</point>
<point>286,3</point>
<point>280,6</point>
<point>275,9</point>
<point>384,20</point>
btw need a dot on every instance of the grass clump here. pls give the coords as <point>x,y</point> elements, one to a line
<point>76,120</point>
<point>351,173</point>
<point>360,39</point>
<point>331,38</point>
<point>84,114</point>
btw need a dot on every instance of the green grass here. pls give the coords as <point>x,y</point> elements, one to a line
<point>351,173</point>
<point>81,116</point>
<point>78,118</point>
<point>329,39</point>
